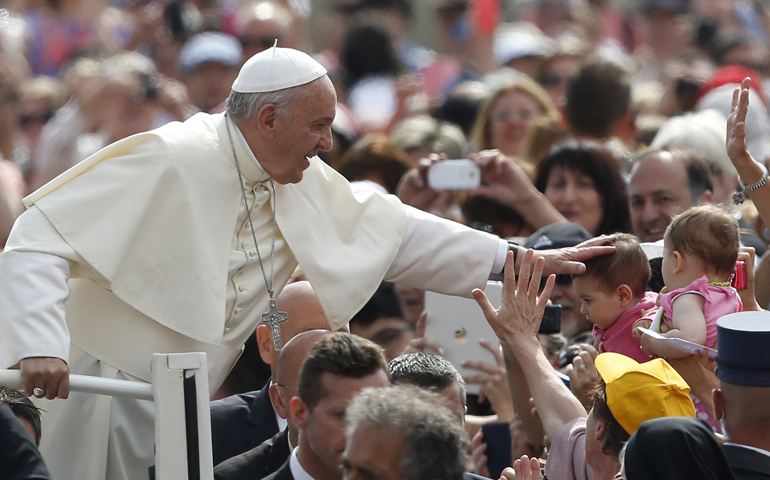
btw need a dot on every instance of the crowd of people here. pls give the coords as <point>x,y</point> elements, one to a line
<point>209,176</point>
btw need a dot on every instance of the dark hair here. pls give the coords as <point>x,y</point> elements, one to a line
<point>597,162</point>
<point>598,95</point>
<point>376,154</point>
<point>431,372</point>
<point>384,303</point>
<point>461,106</point>
<point>481,210</point>
<point>615,436</point>
<point>708,233</point>
<point>341,354</point>
<point>368,50</point>
<point>627,266</point>
<point>22,407</point>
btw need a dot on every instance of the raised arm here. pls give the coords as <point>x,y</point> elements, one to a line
<point>750,172</point>
<point>516,323</point>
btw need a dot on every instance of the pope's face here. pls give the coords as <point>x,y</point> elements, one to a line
<point>303,132</point>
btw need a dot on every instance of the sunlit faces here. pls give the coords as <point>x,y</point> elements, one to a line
<point>601,308</point>
<point>374,453</point>
<point>511,118</point>
<point>575,196</point>
<point>302,133</point>
<point>658,190</point>
<point>324,426</point>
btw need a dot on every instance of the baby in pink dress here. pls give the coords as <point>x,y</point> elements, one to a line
<point>700,250</point>
<point>613,296</point>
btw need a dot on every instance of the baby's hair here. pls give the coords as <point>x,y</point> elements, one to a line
<point>627,266</point>
<point>709,233</point>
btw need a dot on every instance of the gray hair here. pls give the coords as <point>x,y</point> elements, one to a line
<point>243,106</point>
<point>434,444</point>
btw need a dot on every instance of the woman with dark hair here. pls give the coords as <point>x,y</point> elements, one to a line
<point>583,181</point>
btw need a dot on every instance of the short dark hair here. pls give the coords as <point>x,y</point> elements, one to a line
<point>376,154</point>
<point>425,370</point>
<point>615,436</point>
<point>435,445</point>
<point>341,354</point>
<point>596,161</point>
<point>384,303</point>
<point>709,233</point>
<point>598,95</point>
<point>22,407</point>
<point>628,265</point>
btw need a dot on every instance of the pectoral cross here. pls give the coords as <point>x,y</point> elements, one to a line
<point>274,318</point>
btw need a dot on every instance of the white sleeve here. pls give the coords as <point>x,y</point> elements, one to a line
<point>34,271</point>
<point>32,319</point>
<point>445,256</point>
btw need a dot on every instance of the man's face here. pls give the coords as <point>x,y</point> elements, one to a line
<point>302,133</point>
<point>324,426</point>
<point>658,191</point>
<point>454,402</point>
<point>373,453</point>
<point>573,322</point>
<point>209,84</point>
<point>393,334</point>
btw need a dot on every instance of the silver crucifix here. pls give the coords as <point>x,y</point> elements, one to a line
<point>274,318</point>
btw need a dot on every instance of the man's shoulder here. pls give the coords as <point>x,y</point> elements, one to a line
<point>239,400</point>
<point>747,463</point>
<point>283,473</point>
<point>258,462</point>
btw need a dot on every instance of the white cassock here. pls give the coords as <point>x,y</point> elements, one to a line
<point>148,243</point>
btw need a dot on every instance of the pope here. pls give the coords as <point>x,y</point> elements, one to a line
<point>179,239</point>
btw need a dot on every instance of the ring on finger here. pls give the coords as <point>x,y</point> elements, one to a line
<point>580,367</point>
<point>38,392</point>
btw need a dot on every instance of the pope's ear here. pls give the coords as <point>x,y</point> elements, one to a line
<point>266,120</point>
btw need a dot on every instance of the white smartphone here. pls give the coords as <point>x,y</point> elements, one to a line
<point>457,324</point>
<point>461,174</point>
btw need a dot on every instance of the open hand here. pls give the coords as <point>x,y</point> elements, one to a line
<point>737,148</point>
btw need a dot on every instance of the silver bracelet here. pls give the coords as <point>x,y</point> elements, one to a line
<point>761,183</point>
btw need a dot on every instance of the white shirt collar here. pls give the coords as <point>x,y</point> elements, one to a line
<point>297,471</point>
<point>252,158</point>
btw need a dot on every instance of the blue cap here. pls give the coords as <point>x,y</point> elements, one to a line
<point>742,339</point>
<point>210,47</point>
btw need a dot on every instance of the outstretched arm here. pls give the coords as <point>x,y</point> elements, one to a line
<point>516,323</point>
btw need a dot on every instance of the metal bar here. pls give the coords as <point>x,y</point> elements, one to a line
<point>191,422</point>
<point>89,384</point>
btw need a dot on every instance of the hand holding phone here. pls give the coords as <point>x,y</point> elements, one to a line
<point>461,174</point>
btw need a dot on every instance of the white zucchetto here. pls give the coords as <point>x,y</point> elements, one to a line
<point>276,69</point>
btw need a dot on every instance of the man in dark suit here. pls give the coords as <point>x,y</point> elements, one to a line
<point>19,457</point>
<point>337,368</point>
<point>268,457</point>
<point>742,403</point>
<point>242,422</point>
<point>403,432</point>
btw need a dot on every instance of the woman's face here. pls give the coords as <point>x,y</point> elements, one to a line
<point>575,196</point>
<point>511,118</point>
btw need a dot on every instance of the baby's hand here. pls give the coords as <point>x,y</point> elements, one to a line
<point>643,323</point>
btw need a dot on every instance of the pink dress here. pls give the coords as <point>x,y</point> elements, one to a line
<point>619,338</point>
<point>718,301</point>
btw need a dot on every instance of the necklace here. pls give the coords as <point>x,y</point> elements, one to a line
<point>272,317</point>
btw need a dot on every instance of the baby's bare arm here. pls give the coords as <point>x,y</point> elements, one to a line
<point>688,323</point>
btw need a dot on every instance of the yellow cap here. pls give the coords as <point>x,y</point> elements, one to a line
<point>637,392</point>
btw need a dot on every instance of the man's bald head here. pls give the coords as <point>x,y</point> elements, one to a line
<point>305,313</point>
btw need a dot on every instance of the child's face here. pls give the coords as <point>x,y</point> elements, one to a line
<point>601,308</point>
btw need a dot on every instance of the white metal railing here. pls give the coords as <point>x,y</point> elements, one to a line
<point>180,391</point>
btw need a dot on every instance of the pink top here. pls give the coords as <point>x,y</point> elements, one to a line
<point>619,338</point>
<point>567,455</point>
<point>718,302</point>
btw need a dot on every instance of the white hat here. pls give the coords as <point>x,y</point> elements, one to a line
<point>276,69</point>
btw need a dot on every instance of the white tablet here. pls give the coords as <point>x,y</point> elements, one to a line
<point>456,324</point>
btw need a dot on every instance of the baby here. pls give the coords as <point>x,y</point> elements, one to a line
<point>700,250</point>
<point>613,295</point>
